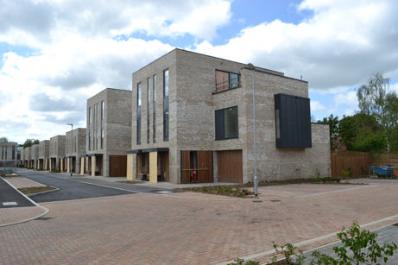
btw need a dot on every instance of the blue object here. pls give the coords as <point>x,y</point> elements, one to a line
<point>383,171</point>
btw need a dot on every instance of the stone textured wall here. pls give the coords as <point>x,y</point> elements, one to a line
<point>192,104</point>
<point>75,142</point>
<point>57,146</point>
<point>35,152</point>
<point>44,149</point>
<point>116,125</point>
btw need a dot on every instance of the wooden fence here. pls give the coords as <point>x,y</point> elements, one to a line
<point>356,164</point>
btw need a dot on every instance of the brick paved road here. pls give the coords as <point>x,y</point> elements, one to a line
<point>190,228</point>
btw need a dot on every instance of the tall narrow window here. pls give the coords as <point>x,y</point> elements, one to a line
<point>89,128</point>
<point>148,106</point>
<point>102,123</point>
<point>154,81</point>
<point>138,113</point>
<point>166,105</point>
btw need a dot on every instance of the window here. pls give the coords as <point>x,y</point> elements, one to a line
<point>148,106</point>
<point>88,128</point>
<point>227,123</point>
<point>166,105</point>
<point>138,113</point>
<point>154,81</point>
<point>226,80</point>
<point>102,123</point>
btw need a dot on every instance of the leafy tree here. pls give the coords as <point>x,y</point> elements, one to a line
<point>30,142</point>
<point>362,132</point>
<point>371,97</point>
<point>333,122</point>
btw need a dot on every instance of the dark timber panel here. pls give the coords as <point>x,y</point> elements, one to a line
<point>199,171</point>
<point>117,166</point>
<point>293,121</point>
<point>229,166</point>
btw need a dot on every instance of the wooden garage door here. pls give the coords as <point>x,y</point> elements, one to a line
<point>117,166</point>
<point>229,166</point>
<point>196,166</point>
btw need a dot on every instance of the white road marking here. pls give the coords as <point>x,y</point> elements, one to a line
<point>10,203</point>
<point>106,186</point>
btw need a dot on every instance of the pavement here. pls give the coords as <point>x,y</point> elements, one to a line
<point>75,187</point>
<point>194,228</point>
<point>9,197</point>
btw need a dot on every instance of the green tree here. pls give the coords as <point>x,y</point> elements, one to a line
<point>362,132</point>
<point>30,142</point>
<point>333,122</point>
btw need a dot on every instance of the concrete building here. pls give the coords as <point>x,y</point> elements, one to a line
<point>44,155</point>
<point>193,121</point>
<point>108,132</point>
<point>57,153</point>
<point>8,154</point>
<point>34,156</point>
<point>75,150</point>
<point>27,155</point>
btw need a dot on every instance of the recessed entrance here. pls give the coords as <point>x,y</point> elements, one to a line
<point>196,166</point>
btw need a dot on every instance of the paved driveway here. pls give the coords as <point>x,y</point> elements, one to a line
<point>192,228</point>
<point>71,188</point>
<point>9,197</point>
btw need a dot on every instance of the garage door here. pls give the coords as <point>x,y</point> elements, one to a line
<point>117,166</point>
<point>229,166</point>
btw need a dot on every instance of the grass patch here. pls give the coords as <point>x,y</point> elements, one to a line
<point>33,190</point>
<point>232,191</point>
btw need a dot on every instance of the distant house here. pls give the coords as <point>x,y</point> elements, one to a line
<point>8,154</point>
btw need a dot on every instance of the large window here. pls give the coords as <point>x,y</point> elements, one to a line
<point>102,123</point>
<point>154,107</point>
<point>166,105</point>
<point>138,113</point>
<point>148,106</point>
<point>226,80</point>
<point>227,123</point>
<point>89,128</point>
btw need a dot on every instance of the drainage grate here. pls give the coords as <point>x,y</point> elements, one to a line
<point>44,218</point>
<point>395,224</point>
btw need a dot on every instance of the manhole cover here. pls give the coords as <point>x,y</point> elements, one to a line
<point>275,200</point>
<point>44,218</point>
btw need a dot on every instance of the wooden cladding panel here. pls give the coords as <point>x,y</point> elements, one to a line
<point>203,173</point>
<point>229,166</point>
<point>117,166</point>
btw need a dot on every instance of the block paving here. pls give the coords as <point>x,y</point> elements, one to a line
<point>191,228</point>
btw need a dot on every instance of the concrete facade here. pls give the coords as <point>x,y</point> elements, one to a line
<point>75,148</point>
<point>193,101</point>
<point>44,155</point>
<point>8,154</point>
<point>35,156</point>
<point>57,152</point>
<point>108,130</point>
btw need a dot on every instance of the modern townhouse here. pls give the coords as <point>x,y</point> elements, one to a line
<point>22,157</point>
<point>8,154</point>
<point>34,156</point>
<point>44,155</point>
<point>27,155</point>
<point>57,153</point>
<point>108,132</point>
<point>75,147</point>
<point>198,118</point>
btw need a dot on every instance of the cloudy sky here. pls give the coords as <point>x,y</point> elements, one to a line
<point>56,53</point>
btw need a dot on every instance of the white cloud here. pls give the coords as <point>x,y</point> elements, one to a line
<point>81,47</point>
<point>342,44</point>
<point>316,106</point>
